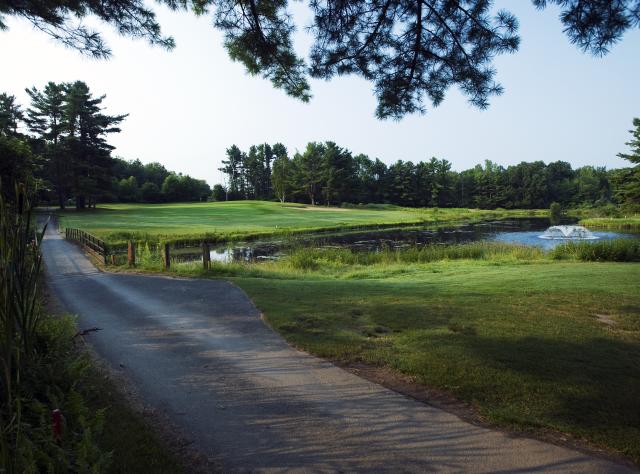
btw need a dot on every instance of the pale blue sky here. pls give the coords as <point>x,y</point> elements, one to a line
<point>187,106</point>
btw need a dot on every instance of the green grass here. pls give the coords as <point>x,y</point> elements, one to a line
<point>613,223</point>
<point>249,219</point>
<point>510,331</point>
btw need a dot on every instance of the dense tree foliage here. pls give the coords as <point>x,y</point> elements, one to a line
<point>134,181</point>
<point>18,163</point>
<point>70,131</point>
<point>325,173</point>
<point>62,20</point>
<point>411,51</point>
<point>628,179</point>
<point>67,156</point>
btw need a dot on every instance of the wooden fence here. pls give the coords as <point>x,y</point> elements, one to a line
<point>91,244</point>
<point>98,249</point>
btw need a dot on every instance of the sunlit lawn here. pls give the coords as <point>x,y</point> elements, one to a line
<point>222,220</point>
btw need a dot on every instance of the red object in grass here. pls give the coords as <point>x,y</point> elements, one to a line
<point>56,424</point>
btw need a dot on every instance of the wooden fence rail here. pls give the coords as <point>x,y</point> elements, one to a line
<point>101,251</point>
<point>91,244</point>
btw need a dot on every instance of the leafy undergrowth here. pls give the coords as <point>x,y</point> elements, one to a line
<point>130,439</point>
<point>99,432</point>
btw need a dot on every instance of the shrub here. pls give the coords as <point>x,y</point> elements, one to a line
<point>555,213</point>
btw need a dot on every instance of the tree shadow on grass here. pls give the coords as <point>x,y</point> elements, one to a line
<point>590,387</point>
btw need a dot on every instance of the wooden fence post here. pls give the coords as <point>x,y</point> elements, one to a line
<point>113,259</point>
<point>166,257</point>
<point>131,254</point>
<point>206,255</point>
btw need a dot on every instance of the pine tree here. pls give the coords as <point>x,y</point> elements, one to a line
<point>233,168</point>
<point>281,173</point>
<point>310,170</point>
<point>10,115</point>
<point>85,142</point>
<point>46,118</point>
<point>18,162</point>
<point>412,52</point>
<point>629,188</point>
<point>69,123</point>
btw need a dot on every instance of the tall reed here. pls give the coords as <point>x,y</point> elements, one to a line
<point>616,250</point>
<point>310,258</point>
<point>20,262</point>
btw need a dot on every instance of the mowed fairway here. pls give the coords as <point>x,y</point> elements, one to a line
<point>531,346</point>
<point>237,219</point>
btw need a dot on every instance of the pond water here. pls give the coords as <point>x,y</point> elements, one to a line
<point>518,231</point>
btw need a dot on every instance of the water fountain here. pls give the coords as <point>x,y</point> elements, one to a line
<point>568,232</point>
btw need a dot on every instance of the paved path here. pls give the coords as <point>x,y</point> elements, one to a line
<point>198,351</point>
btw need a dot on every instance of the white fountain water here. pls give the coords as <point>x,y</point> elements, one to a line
<point>568,232</point>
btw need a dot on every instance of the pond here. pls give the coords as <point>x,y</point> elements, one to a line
<point>525,231</point>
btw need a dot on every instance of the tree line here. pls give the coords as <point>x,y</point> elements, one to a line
<point>325,173</point>
<point>134,181</point>
<point>59,144</point>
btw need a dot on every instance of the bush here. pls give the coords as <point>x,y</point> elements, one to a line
<point>555,213</point>
<point>55,379</point>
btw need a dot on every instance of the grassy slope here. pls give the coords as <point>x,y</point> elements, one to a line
<point>519,341</point>
<point>238,219</point>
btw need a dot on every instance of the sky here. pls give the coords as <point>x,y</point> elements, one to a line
<point>187,106</point>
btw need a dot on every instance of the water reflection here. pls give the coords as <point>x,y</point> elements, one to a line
<point>519,231</point>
